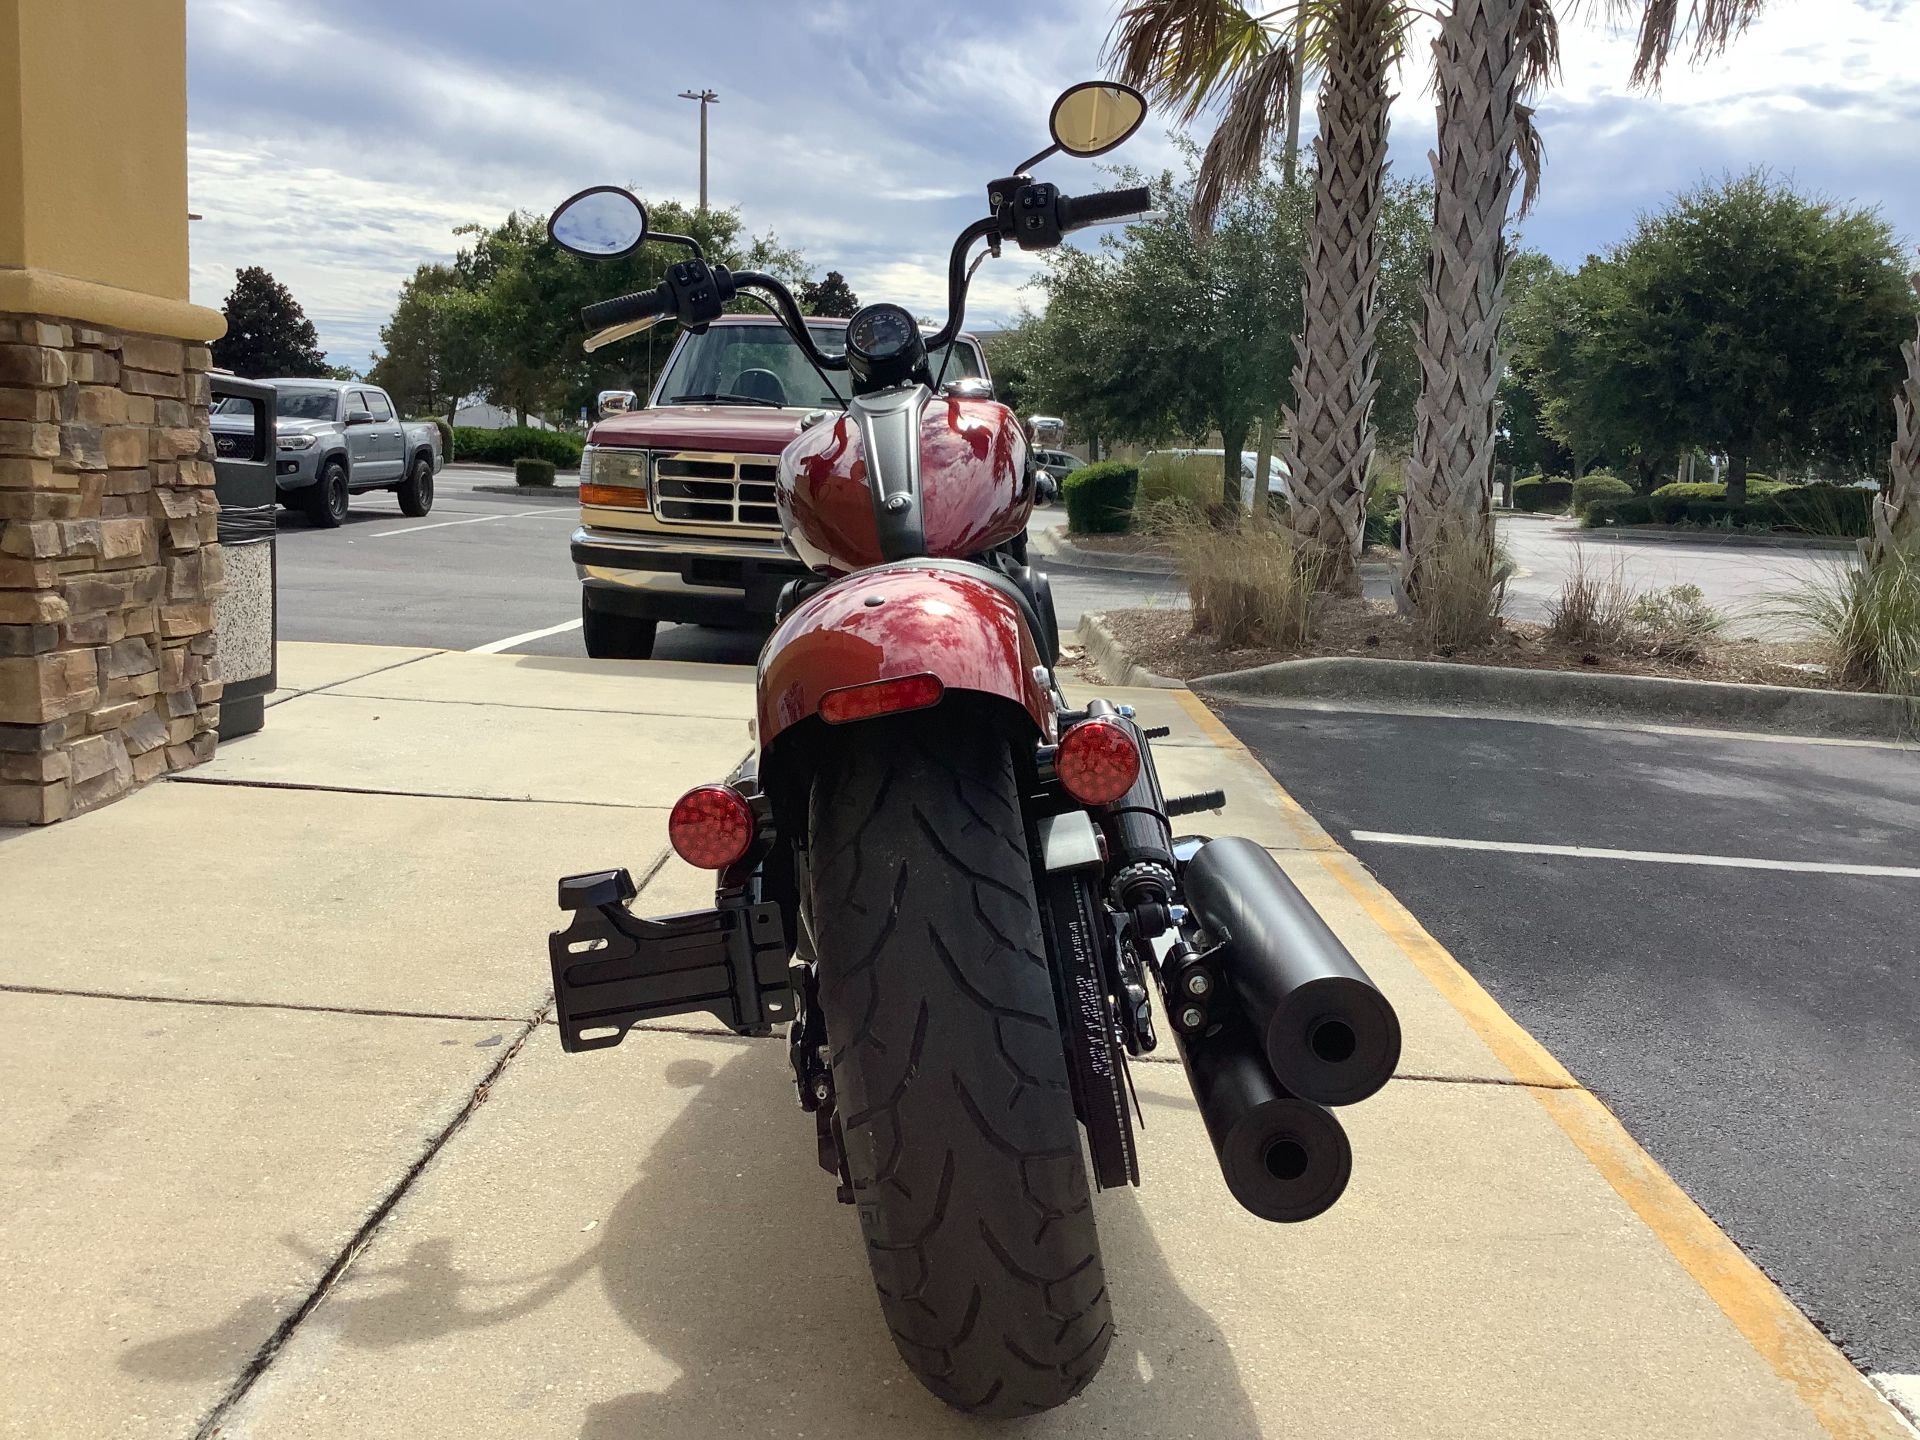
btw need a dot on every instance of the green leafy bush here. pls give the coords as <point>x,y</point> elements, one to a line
<point>1100,498</point>
<point>1628,510</point>
<point>532,472</point>
<point>1598,486</point>
<point>1675,623</point>
<point>1538,495</point>
<point>1386,503</point>
<point>1195,479</point>
<point>1708,512</point>
<point>446,438</point>
<point>503,447</point>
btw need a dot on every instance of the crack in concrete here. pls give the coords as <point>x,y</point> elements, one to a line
<point>521,705</point>
<point>12,989</point>
<point>265,1355</point>
<point>331,684</point>
<point>185,778</point>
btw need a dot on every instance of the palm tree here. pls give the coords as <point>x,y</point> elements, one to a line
<point>1190,53</point>
<point>1896,515</point>
<point>1489,57</point>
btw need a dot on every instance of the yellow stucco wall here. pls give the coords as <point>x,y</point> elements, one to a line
<point>93,163</point>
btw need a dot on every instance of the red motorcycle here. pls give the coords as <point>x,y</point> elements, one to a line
<point>950,884</point>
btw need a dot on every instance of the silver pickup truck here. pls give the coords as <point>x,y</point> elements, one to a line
<point>338,437</point>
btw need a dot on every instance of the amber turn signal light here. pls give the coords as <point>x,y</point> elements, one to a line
<point>614,497</point>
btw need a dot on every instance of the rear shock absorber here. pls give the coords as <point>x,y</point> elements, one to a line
<point>1139,837</point>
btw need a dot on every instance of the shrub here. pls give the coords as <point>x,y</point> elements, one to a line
<point>446,438</point>
<point>1834,510</point>
<point>1250,584</point>
<point>1386,502</point>
<point>1628,510</point>
<point>532,472</point>
<point>1709,512</point>
<point>503,447</point>
<point>1675,623</point>
<point>1591,608</point>
<point>1196,479</point>
<point>1597,486</point>
<point>1869,618</point>
<point>1100,498</point>
<point>1537,495</point>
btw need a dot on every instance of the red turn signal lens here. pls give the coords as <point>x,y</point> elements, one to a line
<point>711,826</point>
<point>881,697</point>
<point>1098,761</point>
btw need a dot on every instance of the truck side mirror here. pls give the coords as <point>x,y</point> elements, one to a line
<point>359,416</point>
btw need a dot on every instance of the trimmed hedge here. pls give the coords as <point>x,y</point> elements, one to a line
<point>1627,510</point>
<point>1600,485</point>
<point>446,438</point>
<point>1836,510</point>
<point>516,442</point>
<point>1100,497</point>
<point>1537,494</point>
<point>533,472</point>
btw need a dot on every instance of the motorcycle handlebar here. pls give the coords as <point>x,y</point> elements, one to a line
<point>622,308</point>
<point>1077,212</point>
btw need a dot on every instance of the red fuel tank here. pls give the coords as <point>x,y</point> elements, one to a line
<point>972,491</point>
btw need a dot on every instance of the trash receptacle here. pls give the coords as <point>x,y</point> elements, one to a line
<point>246,620</point>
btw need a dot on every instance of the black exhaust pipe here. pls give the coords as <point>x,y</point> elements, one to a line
<point>1284,1159</point>
<point>1328,1032</point>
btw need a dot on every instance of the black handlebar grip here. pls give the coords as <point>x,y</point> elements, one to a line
<point>622,308</point>
<point>1080,211</point>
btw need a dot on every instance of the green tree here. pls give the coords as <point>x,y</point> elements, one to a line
<point>1535,290</point>
<point>268,334</point>
<point>831,296</point>
<point>1758,322</point>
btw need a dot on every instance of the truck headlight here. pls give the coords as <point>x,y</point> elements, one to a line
<point>296,442</point>
<point>615,479</point>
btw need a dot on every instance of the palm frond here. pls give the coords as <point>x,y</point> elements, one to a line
<point>1530,154</point>
<point>1537,37</point>
<point>1183,53</point>
<point>1256,108</point>
<point>1708,27</point>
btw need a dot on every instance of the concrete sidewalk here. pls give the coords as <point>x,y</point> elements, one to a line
<point>303,1158</point>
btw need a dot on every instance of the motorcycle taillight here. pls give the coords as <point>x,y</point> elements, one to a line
<point>1098,761</point>
<point>881,697</point>
<point>711,826</point>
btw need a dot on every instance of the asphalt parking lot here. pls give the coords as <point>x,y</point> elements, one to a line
<point>1752,1017</point>
<point>490,571</point>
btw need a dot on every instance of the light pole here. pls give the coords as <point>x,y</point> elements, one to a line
<point>706,98</point>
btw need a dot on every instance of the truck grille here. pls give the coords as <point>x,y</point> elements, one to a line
<point>715,489</point>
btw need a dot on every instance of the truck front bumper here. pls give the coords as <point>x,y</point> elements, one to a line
<point>683,579</point>
<point>296,469</point>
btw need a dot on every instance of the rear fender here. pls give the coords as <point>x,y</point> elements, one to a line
<point>943,618</point>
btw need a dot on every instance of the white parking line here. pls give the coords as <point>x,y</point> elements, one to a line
<point>442,524</point>
<point>1903,1390</point>
<point>1648,857</point>
<point>496,646</point>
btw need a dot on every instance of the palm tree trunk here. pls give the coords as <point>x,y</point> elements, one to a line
<point>1896,514</point>
<point>1478,72</point>
<point>1330,429</point>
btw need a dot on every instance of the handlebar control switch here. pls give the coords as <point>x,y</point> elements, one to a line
<point>700,292</point>
<point>1036,216</point>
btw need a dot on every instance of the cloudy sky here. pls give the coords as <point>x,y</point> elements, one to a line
<point>340,144</point>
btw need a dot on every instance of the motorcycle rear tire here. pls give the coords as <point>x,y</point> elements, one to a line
<point>951,1079</point>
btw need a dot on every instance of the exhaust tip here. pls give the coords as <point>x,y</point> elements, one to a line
<point>1333,1041</point>
<point>1287,1160</point>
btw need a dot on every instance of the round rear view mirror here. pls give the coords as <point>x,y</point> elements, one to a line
<point>600,222</point>
<point>1096,115</point>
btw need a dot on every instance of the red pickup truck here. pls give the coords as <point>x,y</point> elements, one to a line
<point>677,517</point>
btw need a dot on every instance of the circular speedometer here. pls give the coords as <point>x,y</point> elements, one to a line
<point>883,343</point>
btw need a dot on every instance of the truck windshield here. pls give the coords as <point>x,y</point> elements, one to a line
<point>288,404</point>
<point>761,363</point>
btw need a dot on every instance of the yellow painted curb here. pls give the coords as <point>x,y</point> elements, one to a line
<point>1841,1399</point>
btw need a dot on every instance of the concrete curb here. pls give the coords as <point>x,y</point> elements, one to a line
<point>568,493</point>
<point>1054,545</point>
<point>1781,709</point>
<point>1644,535</point>
<point>1110,657</point>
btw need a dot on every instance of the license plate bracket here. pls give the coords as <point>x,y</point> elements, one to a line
<point>613,969</point>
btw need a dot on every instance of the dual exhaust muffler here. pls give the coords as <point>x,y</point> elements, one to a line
<point>1293,1025</point>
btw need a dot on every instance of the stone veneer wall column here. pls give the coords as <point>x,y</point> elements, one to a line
<point>109,564</point>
